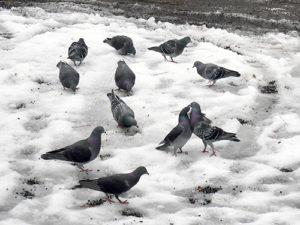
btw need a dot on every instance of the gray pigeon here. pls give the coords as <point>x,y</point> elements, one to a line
<point>68,76</point>
<point>206,132</point>
<point>172,48</point>
<point>115,184</point>
<point>214,72</point>
<point>179,135</point>
<point>124,77</point>
<point>121,111</point>
<point>122,44</point>
<point>78,51</point>
<point>80,152</point>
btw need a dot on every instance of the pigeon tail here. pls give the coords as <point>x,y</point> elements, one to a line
<point>229,137</point>
<point>48,156</point>
<point>156,49</point>
<point>92,184</point>
<point>232,73</point>
<point>163,145</point>
<point>77,186</point>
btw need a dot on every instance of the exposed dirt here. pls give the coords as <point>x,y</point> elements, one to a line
<point>245,15</point>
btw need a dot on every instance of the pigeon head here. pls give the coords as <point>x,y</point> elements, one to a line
<point>132,50</point>
<point>60,63</point>
<point>81,41</point>
<point>107,40</point>
<point>128,121</point>
<point>121,62</point>
<point>198,64</point>
<point>141,171</point>
<point>195,107</point>
<point>183,115</point>
<point>185,40</point>
<point>98,131</point>
<point>111,95</point>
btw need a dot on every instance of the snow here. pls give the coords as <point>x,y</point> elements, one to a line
<point>38,116</point>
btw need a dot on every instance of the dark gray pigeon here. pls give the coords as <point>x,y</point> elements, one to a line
<point>208,133</point>
<point>68,77</point>
<point>80,152</point>
<point>78,51</point>
<point>121,111</point>
<point>124,77</point>
<point>172,48</point>
<point>179,135</point>
<point>115,184</point>
<point>213,72</point>
<point>122,44</point>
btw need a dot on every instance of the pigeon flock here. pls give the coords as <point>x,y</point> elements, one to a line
<point>191,120</point>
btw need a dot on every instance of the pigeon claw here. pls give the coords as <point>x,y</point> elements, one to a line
<point>204,151</point>
<point>213,154</point>
<point>181,152</point>
<point>124,202</point>
<point>85,171</point>
<point>109,201</point>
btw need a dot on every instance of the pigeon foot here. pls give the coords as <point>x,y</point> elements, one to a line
<point>213,154</point>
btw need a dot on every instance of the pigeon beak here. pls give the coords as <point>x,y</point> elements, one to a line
<point>147,173</point>
<point>137,126</point>
<point>193,66</point>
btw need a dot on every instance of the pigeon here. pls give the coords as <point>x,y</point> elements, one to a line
<point>115,184</point>
<point>68,76</point>
<point>80,152</point>
<point>172,48</point>
<point>179,135</point>
<point>206,132</point>
<point>121,111</point>
<point>213,72</point>
<point>78,51</point>
<point>122,44</point>
<point>124,77</point>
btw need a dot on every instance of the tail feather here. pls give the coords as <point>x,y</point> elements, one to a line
<point>230,137</point>
<point>156,49</point>
<point>163,145</point>
<point>49,156</point>
<point>232,73</point>
<point>77,186</point>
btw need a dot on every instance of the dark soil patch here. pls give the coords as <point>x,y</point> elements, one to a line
<point>205,201</point>
<point>21,106</point>
<point>286,170</point>
<point>105,156</point>
<point>270,88</point>
<point>26,194</point>
<point>41,81</point>
<point>32,181</point>
<point>242,121</point>
<point>93,203</point>
<point>131,212</point>
<point>6,35</point>
<point>208,189</point>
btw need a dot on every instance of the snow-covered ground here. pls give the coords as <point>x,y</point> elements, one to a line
<point>37,115</point>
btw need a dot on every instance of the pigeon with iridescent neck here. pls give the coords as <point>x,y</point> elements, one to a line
<point>115,184</point>
<point>179,135</point>
<point>122,44</point>
<point>213,72</point>
<point>206,132</point>
<point>122,113</point>
<point>172,48</point>
<point>78,51</point>
<point>124,77</point>
<point>80,152</point>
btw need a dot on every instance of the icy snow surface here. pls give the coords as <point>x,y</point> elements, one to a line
<point>37,115</point>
